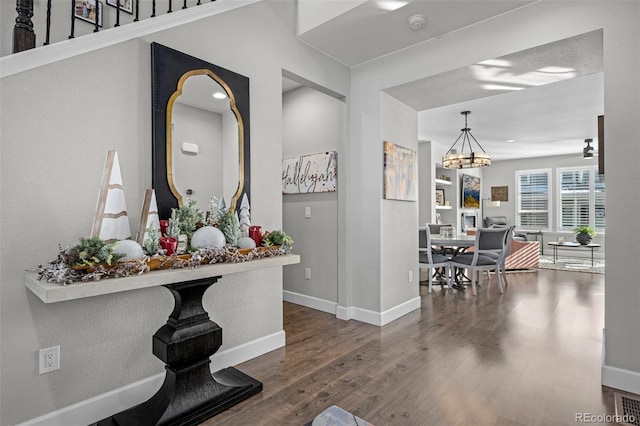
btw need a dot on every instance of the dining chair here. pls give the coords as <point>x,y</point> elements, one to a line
<point>488,254</point>
<point>508,237</point>
<point>430,260</point>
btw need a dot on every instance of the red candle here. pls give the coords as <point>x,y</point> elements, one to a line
<point>255,234</point>
<point>169,244</point>
<point>164,224</point>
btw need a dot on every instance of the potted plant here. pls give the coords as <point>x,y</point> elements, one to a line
<point>584,234</point>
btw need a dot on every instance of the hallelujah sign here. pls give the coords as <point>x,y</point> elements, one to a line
<point>310,173</point>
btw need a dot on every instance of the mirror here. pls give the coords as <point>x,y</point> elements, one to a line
<point>200,144</point>
<point>203,140</point>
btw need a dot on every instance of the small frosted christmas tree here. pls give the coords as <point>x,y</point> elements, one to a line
<point>245,216</point>
<point>229,225</point>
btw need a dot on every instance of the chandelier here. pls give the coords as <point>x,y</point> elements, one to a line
<point>469,159</point>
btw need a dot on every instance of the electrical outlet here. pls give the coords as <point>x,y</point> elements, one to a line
<point>49,359</point>
<point>307,212</point>
<point>307,273</point>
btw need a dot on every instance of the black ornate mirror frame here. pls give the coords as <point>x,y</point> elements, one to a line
<point>168,66</point>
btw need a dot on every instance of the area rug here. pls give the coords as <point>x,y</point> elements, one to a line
<point>336,416</point>
<point>575,264</point>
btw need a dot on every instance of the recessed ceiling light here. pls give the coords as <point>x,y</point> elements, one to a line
<point>391,5</point>
<point>510,140</point>
<point>219,95</point>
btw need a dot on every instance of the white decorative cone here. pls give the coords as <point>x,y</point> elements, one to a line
<point>245,216</point>
<point>149,217</point>
<point>111,222</point>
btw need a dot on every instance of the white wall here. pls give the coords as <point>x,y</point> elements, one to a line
<point>399,219</point>
<point>51,154</point>
<point>312,123</point>
<point>202,173</point>
<point>427,186</point>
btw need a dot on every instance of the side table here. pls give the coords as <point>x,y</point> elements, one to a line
<point>537,234</point>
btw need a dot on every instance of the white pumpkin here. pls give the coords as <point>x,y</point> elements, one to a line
<point>208,236</point>
<point>130,248</point>
<point>247,243</point>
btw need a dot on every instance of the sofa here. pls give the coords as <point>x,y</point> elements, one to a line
<point>523,254</point>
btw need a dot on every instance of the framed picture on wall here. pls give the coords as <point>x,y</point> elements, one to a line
<point>439,197</point>
<point>310,173</point>
<point>470,192</point>
<point>86,10</point>
<point>469,221</point>
<point>125,5</point>
<point>400,173</point>
<point>499,193</point>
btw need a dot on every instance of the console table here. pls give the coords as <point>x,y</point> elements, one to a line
<point>556,246</point>
<point>190,394</point>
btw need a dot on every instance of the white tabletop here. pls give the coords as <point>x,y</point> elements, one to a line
<point>53,292</point>
<point>460,240</point>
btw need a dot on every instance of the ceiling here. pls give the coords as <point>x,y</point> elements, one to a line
<point>375,28</point>
<point>198,91</point>
<point>547,98</point>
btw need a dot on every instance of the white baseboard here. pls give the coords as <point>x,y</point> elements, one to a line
<point>309,301</point>
<point>352,312</point>
<point>102,406</point>
<point>619,378</point>
<point>377,318</point>
<point>400,310</point>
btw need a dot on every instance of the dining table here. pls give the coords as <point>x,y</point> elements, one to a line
<point>461,241</point>
<point>455,245</point>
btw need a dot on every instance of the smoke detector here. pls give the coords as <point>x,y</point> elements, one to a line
<point>416,22</point>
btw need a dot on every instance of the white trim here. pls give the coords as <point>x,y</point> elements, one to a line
<point>400,310</point>
<point>245,352</point>
<point>344,313</point>
<point>619,378</point>
<point>309,301</point>
<point>102,406</point>
<point>378,318</point>
<point>58,51</point>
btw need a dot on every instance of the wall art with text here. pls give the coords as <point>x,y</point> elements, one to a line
<point>310,173</point>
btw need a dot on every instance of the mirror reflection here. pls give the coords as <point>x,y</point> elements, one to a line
<point>204,141</point>
<point>203,150</point>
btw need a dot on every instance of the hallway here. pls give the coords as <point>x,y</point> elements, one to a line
<point>529,356</point>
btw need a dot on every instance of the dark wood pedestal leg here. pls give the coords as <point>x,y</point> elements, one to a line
<point>190,394</point>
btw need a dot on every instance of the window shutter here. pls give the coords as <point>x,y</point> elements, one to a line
<point>573,198</point>
<point>599,202</point>
<point>533,199</point>
<point>581,197</point>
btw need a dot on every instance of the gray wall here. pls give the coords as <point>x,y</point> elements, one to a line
<point>503,173</point>
<point>105,341</point>
<point>399,219</point>
<point>52,152</point>
<point>312,122</point>
<point>202,173</point>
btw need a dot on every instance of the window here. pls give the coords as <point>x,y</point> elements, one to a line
<point>532,202</point>
<point>580,198</point>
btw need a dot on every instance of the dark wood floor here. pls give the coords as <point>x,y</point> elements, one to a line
<point>531,356</point>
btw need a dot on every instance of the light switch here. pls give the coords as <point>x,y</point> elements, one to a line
<point>307,212</point>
